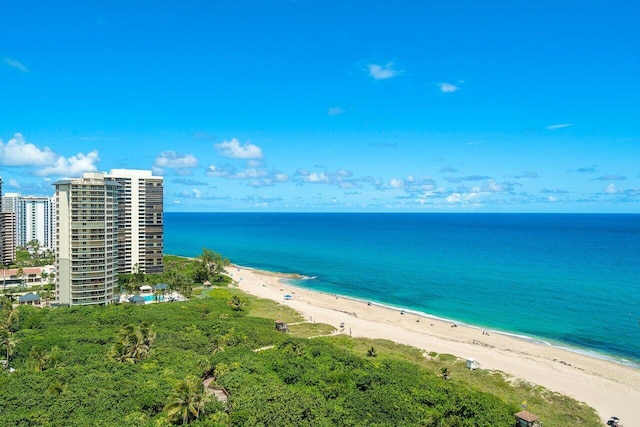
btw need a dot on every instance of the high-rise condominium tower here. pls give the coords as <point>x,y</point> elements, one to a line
<point>86,239</point>
<point>140,240</point>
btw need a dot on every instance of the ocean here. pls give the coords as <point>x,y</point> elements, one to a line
<point>569,280</point>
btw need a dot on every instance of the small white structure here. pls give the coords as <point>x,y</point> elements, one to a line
<point>146,290</point>
<point>472,364</point>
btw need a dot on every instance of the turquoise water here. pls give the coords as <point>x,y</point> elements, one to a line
<point>152,298</point>
<point>571,280</point>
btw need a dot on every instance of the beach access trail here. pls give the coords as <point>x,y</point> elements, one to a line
<point>609,387</point>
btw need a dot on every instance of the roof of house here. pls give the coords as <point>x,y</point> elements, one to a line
<point>136,298</point>
<point>527,416</point>
<point>29,297</point>
<point>26,271</point>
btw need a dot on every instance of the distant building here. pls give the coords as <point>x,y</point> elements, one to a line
<point>29,299</point>
<point>141,224</point>
<point>86,239</point>
<point>7,234</point>
<point>34,221</point>
<point>27,276</point>
<point>7,238</point>
<point>28,218</point>
<point>9,202</point>
<point>9,207</point>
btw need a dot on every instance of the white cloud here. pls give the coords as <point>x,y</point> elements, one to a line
<point>396,183</point>
<point>254,163</point>
<point>18,152</point>
<point>612,189</point>
<point>171,159</point>
<point>559,126</point>
<point>234,150</point>
<point>493,187</point>
<point>412,185</point>
<point>15,64</point>
<point>230,172</point>
<point>13,183</point>
<point>280,177</point>
<point>73,166</point>
<point>224,171</point>
<point>382,72</point>
<point>448,87</point>
<point>463,198</point>
<point>251,173</point>
<point>342,178</point>
<point>255,177</point>
<point>335,111</point>
<point>189,194</point>
<point>315,178</point>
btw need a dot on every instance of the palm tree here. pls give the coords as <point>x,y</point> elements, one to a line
<point>217,345</point>
<point>20,275</point>
<point>213,265</point>
<point>120,353</point>
<point>40,358</point>
<point>207,262</point>
<point>8,343</point>
<point>237,303</point>
<point>5,301</point>
<point>133,345</point>
<point>33,247</point>
<point>12,318</point>
<point>179,281</point>
<point>142,340</point>
<point>187,401</point>
<point>46,296</point>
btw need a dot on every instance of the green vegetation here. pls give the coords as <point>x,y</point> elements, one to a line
<point>32,256</point>
<point>182,274</point>
<point>136,365</point>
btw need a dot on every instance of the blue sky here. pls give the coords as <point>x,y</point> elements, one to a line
<point>300,105</point>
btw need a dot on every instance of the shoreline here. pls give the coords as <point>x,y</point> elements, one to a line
<point>528,338</point>
<point>609,386</point>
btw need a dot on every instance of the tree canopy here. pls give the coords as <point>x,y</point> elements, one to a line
<point>125,364</point>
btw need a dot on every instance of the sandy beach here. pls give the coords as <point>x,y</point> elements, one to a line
<point>609,387</point>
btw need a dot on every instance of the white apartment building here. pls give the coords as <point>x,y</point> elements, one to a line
<point>86,239</point>
<point>141,226</point>
<point>34,221</point>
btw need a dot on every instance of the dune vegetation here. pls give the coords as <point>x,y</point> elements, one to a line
<point>125,364</point>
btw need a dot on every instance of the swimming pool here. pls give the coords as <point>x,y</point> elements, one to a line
<point>152,298</point>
